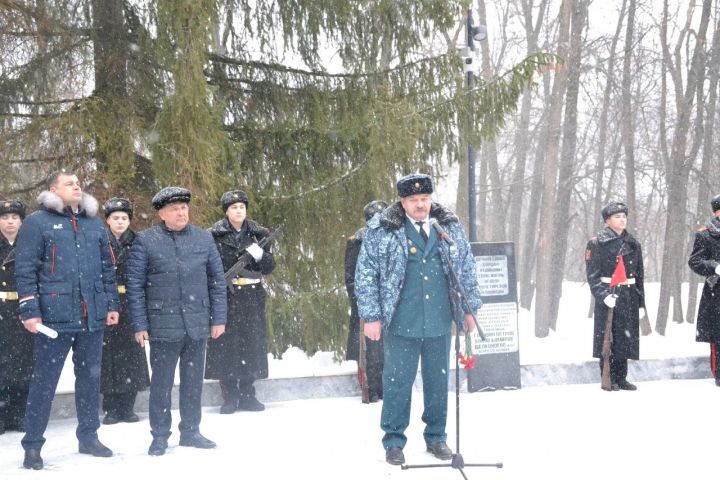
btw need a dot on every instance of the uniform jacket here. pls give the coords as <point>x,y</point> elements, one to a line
<point>601,258</point>
<point>383,258</point>
<point>242,350</point>
<point>16,343</point>
<point>124,364</point>
<point>175,283</point>
<point>63,267</point>
<point>704,258</point>
<point>352,251</point>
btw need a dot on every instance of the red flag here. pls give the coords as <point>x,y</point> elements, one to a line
<point>619,276</point>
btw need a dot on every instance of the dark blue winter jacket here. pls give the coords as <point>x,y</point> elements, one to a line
<point>175,283</point>
<point>63,266</point>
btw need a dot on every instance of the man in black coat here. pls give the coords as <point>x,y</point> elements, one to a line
<point>705,261</point>
<point>239,357</point>
<point>16,343</point>
<point>176,297</point>
<point>374,348</point>
<point>628,298</point>
<point>124,363</point>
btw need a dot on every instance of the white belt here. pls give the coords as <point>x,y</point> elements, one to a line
<point>629,281</point>
<point>242,281</point>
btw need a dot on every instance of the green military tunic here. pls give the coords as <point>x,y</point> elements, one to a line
<point>420,328</point>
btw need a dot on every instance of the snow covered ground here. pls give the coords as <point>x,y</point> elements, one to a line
<point>559,432</point>
<point>567,432</point>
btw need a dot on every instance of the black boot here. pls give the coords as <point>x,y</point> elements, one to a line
<point>95,448</point>
<point>230,396</point>
<point>158,447</point>
<point>33,460</point>
<point>247,400</point>
<point>195,440</point>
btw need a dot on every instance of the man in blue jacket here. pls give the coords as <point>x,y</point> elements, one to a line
<point>403,291</point>
<point>177,297</point>
<point>65,280</point>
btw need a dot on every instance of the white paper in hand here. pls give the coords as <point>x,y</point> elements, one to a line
<point>46,330</point>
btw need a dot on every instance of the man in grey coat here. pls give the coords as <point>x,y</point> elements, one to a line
<point>176,297</point>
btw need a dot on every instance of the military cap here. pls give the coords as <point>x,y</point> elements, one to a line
<point>414,184</point>
<point>170,195</point>
<point>612,208</point>
<point>374,207</point>
<point>116,204</point>
<point>233,196</point>
<point>715,203</point>
<point>12,206</point>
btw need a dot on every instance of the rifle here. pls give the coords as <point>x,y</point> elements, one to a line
<point>362,365</point>
<point>246,258</point>
<point>605,383</point>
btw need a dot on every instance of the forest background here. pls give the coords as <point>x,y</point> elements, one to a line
<point>315,107</point>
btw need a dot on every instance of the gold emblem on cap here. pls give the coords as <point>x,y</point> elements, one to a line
<point>7,204</point>
<point>417,185</point>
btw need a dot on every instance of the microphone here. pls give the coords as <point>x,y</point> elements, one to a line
<point>441,233</point>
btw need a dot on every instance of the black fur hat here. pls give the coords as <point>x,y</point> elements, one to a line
<point>233,196</point>
<point>612,208</point>
<point>715,203</point>
<point>12,206</point>
<point>414,184</point>
<point>170,195</point>
<point>374,207</point>
<point>117,204</point>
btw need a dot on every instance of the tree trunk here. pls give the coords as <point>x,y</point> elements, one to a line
<point>704,180</point>
<point>110,44</point>
<point>628,125</point>
<point>525,249</point>
<point>567,180</point>
<point>674,241</point>
<point>598,197</point>
<point>550,174</point>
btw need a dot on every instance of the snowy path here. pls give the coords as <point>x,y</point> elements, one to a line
<point>661,431</point>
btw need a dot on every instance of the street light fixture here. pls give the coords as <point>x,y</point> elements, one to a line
<point>475,33</point>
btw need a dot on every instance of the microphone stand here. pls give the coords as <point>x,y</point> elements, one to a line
<point>457,461</point>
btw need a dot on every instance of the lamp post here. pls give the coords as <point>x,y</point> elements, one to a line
<point>475,33</point>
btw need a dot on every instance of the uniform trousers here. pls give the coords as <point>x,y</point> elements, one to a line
<point>618,368</point>
<point>400,369</point>
<point>48,360</point>
<point>164,356</point>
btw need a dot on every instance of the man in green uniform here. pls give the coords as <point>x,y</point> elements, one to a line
<point>403,290</point>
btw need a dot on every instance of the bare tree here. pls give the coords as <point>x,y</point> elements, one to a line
<point>567,179</point>
<point>550,173</point>
<point>679,164</point>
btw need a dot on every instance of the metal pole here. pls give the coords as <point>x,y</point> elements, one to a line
<point>472,192</point>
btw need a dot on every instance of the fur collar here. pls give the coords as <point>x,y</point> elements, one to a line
<point>713,227</point>
<point>51,201</point>
<point>223,227</point>
<point>393,217</point>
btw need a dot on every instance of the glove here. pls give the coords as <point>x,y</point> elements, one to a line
<point>610,300</point>
<point>642,312</point>
<point>256,251</point>
<point>717,269</point>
